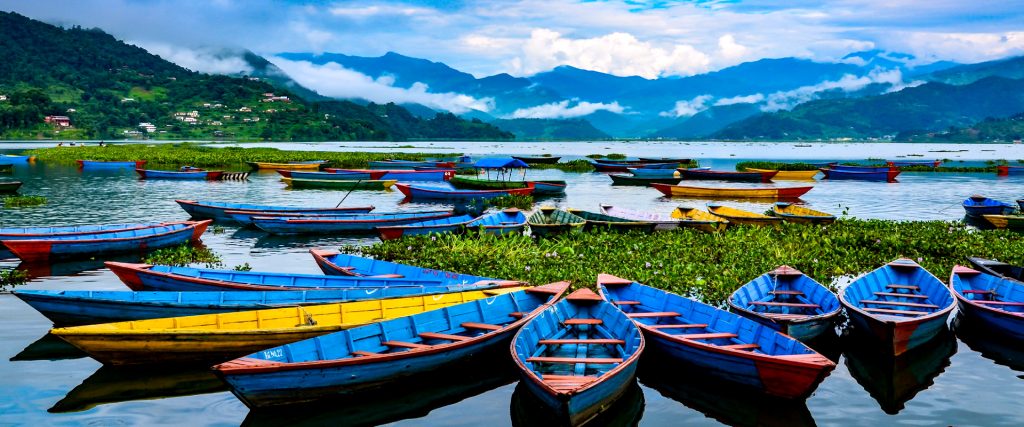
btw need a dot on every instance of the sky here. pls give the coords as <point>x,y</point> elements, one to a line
<point>656,38</point>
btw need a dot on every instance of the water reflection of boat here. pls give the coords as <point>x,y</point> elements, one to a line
<point>411,398</point>
<point>49,347</point>
<point>528,411</point>
<point>37,270</point>
<point>734,405</point>
<point>117,384</point>
<point>894,381</point>
<point>999,349</point>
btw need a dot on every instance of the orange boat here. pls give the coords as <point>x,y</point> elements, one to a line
<point>732,192</point>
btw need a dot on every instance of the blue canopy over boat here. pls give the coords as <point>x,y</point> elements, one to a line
<point>500,163</point>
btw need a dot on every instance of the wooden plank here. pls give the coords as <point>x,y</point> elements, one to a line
<point>583,322</point>
<point>894,294</point>
<point>652,314</point>
<point>709,336</point>
<point>516,315</point>
<point>436,336</point>
<point>552,377</point>
<point>582,341</point>
<point>901,304</point>
<point>785,292</point>
<point>1009,303</point>
<point>403,344</point>
<point>482,326</point>
<point>679,326</point>
<point>740,346</point>
<point>888,311</point>
<point>976,291</point>
<point>574,360</point>
<point>626,302</point>
<point>911,287</point>
<point>784,304</point>
<point>783,316</point>
<point>364,353</point>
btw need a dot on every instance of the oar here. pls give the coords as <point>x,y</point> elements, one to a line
<point>349,192</point>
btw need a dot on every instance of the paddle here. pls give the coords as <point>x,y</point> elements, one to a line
<point>349,192</point>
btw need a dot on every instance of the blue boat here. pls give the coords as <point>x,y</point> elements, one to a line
<point>205,209</point>
<point>578,356</point>
<point>886,174</point>
<point>144,277</point>
<point>428,174</point>
<point>549,187</point>
<point>977,206</point>
<point>335,263</point>
<point>443,225</point>
<point>186,173</point>
<point>10,159</point>
<point>105,243</point>
<point>900,304</point>
<point>333,176</point>
<point>353,360</point>
<point>507,221</point>
<point>440,193</point>
<point>29,233</point>
<point>103,164</point>
<point>998,268</point>
<point>994,302</point>
<point>406,164</point>
<point>926,163</point>
<point>67,308</point>
<point>725,345</point>
<point>788,301</point>
<point>654,173</point>
<point>852,168</point>
<point>341,224</point>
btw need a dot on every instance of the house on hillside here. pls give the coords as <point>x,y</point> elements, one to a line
<point>148,127</point>
<point>62,121</point>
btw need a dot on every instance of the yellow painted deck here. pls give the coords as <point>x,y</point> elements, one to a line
<point>801,214</point>
<point>788,175</point>
<point>287,166</point>
<point>701,220</point>
<point>214,338</point>
<point>740,216</point>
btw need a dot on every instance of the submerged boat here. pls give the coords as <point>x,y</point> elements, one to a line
<point>339,184</point>
<point>189,174</point>
<point>578,356</point>
<point>801,214</point>
<point>697,219</point>
<point>706,174</point>
<point>548,221</point>
<point>992,301</point>
<point>788,301</point>
<point>436,175</point>
<point>980,205</point>
<point>887,174</point>
<point>642,181</point>
<point>443,225</point>
<point>741,217</point>
<point>781,175</point>
<point>538,160</point>
<point>435,193</point>
<point>730,193</point>
<point>105,243</point>
<point>901,305</point>
<point>331,366</point>
<point>660,221</point>
<point>341,224</point>
<point>214,338</point>
<point>311,165</point>
<point>106,164</point>
<point>727,346</point>
<point>599,221</point>
<point>997,268</point>
<point>338,264</point>
<point>203,209</point>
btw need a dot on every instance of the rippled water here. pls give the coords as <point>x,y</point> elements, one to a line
<point>949,383</point>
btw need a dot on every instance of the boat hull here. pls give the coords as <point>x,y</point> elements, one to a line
<point>339,184</point>
<point>642,181</point>
<point>10,186</point>
<point>579,408</point>
<point>888,175</point>
<point>431,175</point>
<point>702,174</point>
<point>299,166</point>
<point>414,192</point>
<point>1009,170</point>
<point>789,175</point>
<point>334,263</point>
<point>538,160</point>
<point>333,176</point>
<point>897,337</point>
<point>218,211</point>
<point>108,243</point>
<point>329,225</point>
<point>100,164</point>
<point>191,175</point>
<point>730,193</point>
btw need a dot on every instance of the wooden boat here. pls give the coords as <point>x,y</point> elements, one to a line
<point>980,205</point>
<point>741,217</point>
<point>9,186</point>
<point>998,269</point>
<point>887,175</point>
<point>624,167</point>
<point>858,168</point>
<point>661,221</point>
<point>188,174</point>
<point>989,300</point>
<point>311,165</point>
<point>930,164</point>
<point>642,172</point>
<point>37,233</point>
<point>1012,222</point>
<point>691,217</point>
<point>65,308</point>
<point>335,263</point>
<point>730,193</point>
<point>364,357</point>
<point>788,301</point>
<point>105,164</point>
<point>801,214</point>
<point>214,338</point>
<point>706,174</point>
<point>548,187</point>
<point>506,221</point>
<point>341,224</point>
<point>204,209</point>
<point>369,175</point>
<point>900,304</point>
<point>435,193</point>
<point>643,181</point>
<point>788,175</point>
<point>404,174</point>
<point>339,184</point>
<point>406,164</point>
<point>15,159</point>
<point>548,221</point>
<point>91,245</point>
<point>443,225</point>
<point>727,346</point>
<point>599,221</point>
<point>1005,170</point>
<point>538,160</point>
<point>578,356</point>
<point>145,277</point>
<point>664,160</point>
<point>540,187</point>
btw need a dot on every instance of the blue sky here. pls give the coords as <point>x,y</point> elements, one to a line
<point>624,37</point>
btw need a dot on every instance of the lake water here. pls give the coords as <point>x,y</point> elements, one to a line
<point>952,382</point>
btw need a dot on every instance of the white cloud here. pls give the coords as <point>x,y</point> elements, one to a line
<point>785,100</point>
<point>336,81</point>
<point>203,61</point>
<point>688,108</point>
<point>562,110</point>
<point>729,49</point>
<point>377,10</point>
<point>747,99</point>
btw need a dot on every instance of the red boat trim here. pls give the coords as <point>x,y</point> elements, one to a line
<point>77,233</point>
<point>33,250</point>
<point>331,221</point>
<point>958,269</point>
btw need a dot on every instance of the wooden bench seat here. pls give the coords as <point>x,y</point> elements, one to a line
<point>741,346</point>
<point>626,302</point>
<point>679,326</point>
<point>1010,303</point>
<point>403,344</point>
<point>888,311</point>
<point>574,360</point>
<point>568,378</point>
<point>785,304</point>
<point>901,304</point>
<point>894,294</point>
<point>481,326</point>
<point>911,287</point>
<point>652,314</point>
<point>516,315</point>
<point>364,353</point>
<point>583,322</point>
<point>785,292</point>
<point>978,291</point>
<point>582,341</point>
<point>437,336</point>
<point>708,336</point>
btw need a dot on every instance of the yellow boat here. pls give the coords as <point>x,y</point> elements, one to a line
<point>742,217</point>
<point>761,192</point>
<point>297,166</point>
<point>698,219</point>
<point>788,175</point>
<point>801,214</point>
<point>1013,222</point>
<point>214,338</point>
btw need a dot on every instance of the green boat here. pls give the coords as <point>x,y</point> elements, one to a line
<point>620,179</point>
<point>340,184</point>
<point>478,183</point>
<point>548,221</point>
<point>599,221</point>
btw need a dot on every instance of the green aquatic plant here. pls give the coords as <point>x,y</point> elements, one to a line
<point>242,267</point>
<point>518,201</point>
<point>578,165</point>
<point>20,201</point>
<point>9,278</point>
<point>185,255</point>
<point>742,166</point>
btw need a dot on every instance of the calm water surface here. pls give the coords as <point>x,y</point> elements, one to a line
<point>949,383</point>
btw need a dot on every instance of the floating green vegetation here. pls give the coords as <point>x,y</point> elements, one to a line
<point>742,166</point>
<point>185,255</point>
<point>578,165</point>
<point>242,267</point>
<point>204,156</point>
<point>20,201</point>
<point>991,166</point>
<point>512,201</point>
<point>611,156</point>
<point>707,266</point>
<point>10,278</point>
